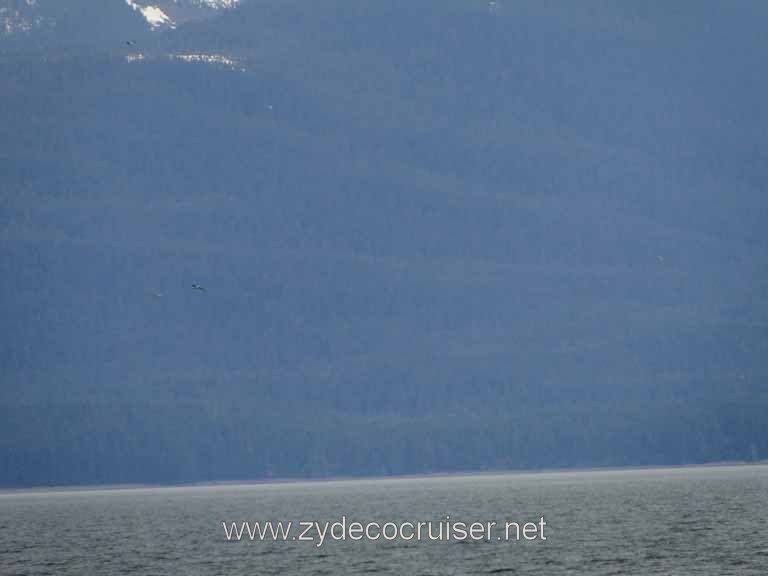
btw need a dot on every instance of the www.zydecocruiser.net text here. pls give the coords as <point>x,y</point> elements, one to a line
<point>344,530</point>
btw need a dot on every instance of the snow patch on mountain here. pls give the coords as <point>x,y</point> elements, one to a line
<point>221,60</point>
<point>154,16</point>
<point>19,16</point>
<point>163,14</point>
<point>22,16</point>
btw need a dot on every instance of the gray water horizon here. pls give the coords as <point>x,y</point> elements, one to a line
<point>703,520</point>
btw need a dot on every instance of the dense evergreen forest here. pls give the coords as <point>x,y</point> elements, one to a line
<point>433,236</point>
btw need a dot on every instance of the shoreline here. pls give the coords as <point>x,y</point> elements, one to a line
<point>266,482</point>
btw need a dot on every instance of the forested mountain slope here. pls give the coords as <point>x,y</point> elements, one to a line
<point>433,236</point>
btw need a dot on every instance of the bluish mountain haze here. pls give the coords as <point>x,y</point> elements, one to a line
<point>434,236</point>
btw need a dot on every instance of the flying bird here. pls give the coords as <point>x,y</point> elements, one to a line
<point>198,287</point>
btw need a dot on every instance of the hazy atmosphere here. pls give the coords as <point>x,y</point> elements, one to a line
<point>298,239</point>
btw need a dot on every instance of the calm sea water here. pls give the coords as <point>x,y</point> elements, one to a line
<point>665,521</point>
